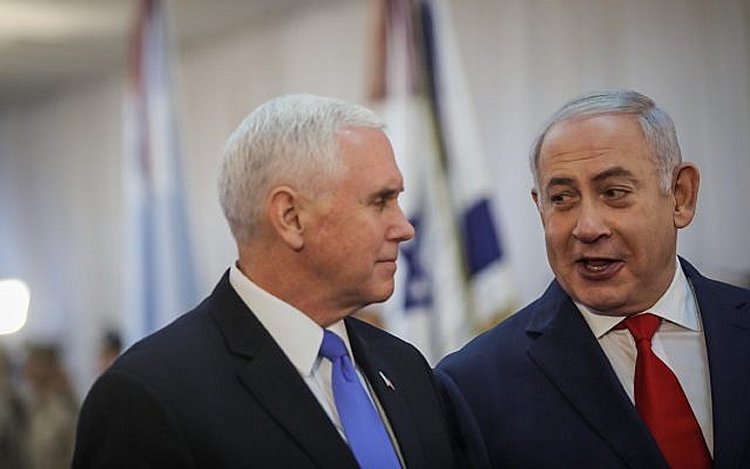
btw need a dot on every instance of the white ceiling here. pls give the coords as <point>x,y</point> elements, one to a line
<point>46,45</point>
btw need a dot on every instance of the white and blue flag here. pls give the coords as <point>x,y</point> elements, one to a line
<point>159,272</point>
<point>453,278</point>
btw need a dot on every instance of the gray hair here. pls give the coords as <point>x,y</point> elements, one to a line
<point>656,125</point>
<point>287,140</point>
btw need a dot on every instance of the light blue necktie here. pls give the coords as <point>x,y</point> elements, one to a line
<point>363,428</point>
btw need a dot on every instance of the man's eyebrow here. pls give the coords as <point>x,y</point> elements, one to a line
<point>560,181</point>
<point>617,171</point>
<point>386,193</point>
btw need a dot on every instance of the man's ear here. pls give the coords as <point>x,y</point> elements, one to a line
<point>685,192</point>
<point>284,205</point>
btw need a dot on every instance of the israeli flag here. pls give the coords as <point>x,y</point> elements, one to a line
<point>490,282</point>
<point>453,279</point>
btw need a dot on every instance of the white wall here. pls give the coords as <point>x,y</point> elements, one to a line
<point>526,58</point>
<point>61,199</point>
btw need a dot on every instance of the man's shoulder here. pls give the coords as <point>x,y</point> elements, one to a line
<point>728,290</point>
<point>386,347</point>
<point>374,336</point>
<point>170,347</point>
<point>704,285</point>
<point>496,339</point>
<point>725,288</point>
<point>506,341</point>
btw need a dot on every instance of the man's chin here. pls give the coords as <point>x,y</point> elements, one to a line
<point>603,305</point>
<point>383,293</point>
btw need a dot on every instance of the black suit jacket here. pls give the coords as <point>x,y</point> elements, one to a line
<point>538,391</point>
<point>214,390</point>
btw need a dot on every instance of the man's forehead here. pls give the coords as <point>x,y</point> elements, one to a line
<point>597,131</point>
<point>604,120</point>
<point>594,144</point>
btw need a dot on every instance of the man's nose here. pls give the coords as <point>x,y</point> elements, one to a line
<point>403,230</point>
<point>591,224</point>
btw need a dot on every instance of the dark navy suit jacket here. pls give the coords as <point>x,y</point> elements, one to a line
<point>538,391</point>
<point>214,390</point>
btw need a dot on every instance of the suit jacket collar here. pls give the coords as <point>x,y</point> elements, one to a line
<point>368,355</point>
<point>274,383</point>
<point>567,352</point>
<point>725,313</point>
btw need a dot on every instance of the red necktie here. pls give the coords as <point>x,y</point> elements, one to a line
<point>661,402</point>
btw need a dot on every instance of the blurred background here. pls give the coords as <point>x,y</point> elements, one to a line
<point>72,106</point>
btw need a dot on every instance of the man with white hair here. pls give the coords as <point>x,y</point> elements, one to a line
<point>270,370</point>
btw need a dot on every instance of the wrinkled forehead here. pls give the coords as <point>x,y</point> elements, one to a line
<point>613,135</point>
<point>593,150</point>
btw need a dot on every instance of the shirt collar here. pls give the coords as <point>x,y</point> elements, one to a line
<point>298,336</point>
<point>676,305</point>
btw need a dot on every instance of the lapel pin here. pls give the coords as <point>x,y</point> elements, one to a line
<point>387,381</point>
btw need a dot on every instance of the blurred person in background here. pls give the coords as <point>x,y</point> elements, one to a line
<point>271,370</point>
<point>52,408</point>
<point>109,349</point>
<point>631,358</point>
<point>13,418</point>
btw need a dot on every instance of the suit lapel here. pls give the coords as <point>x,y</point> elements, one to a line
<point>275,384</point>
<point>567,352</point>
<point>377,370</point>
<point>726,321</point>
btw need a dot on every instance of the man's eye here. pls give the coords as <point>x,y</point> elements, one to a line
<point>560,197</point>
<point>615,193</point>
<point>381,202</point>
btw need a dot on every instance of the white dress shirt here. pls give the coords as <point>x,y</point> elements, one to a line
<point>679,342</point>
<point>299,337</point>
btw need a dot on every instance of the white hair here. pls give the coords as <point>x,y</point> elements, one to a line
<point>288,140</point>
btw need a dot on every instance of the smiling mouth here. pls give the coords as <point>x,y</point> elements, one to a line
<point>598,268</point>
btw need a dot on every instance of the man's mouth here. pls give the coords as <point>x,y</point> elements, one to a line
<point>598,268</point>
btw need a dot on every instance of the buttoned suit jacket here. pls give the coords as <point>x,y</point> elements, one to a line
<point>214,390</point>
<point>538,391</point>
